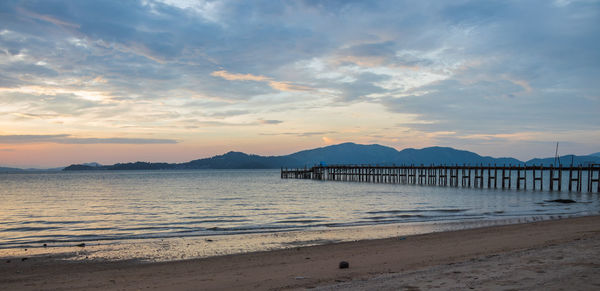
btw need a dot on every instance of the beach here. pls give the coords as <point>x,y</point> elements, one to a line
<point>546,255</point>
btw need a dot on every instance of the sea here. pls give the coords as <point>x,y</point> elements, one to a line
<point>173,215</point>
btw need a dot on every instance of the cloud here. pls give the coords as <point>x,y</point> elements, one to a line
<point>470,67</point>
<point>269,121</point>
<point>69,139</point>
<point>228,113</point>
<point>329,140</point>
<point>48,18</point>
<point>280,86</point>
<point>238,77</point>
<point>300,134</point>
<point>284,86</point>
<point>493,107</point>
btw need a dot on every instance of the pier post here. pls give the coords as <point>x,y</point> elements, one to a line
<point>579,172</point>
<point>444,175</point>
<point>503,176</point>
<point>489,177</point>
<point>509,176</point>
<point>518,177</point>
<point>570,177</point>
<point>560,168</point>
<point>552,177</point>
<point>591,178</point>
<point>524,176</point>
<point>534,177</point>
<point>541,177</point>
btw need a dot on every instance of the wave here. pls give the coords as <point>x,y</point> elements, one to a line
<point>303,221</point>
<point>449,210</point>
<point>25,229</point>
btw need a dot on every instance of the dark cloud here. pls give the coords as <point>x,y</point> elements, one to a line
<point>494,107</point>
<point>228,113</point>
<point>269,121</point>
<point>382,49</point>
<point>364,85</point>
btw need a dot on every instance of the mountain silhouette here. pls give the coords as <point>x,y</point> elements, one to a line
<point>345,153</point>
<point>7,169</point>
<point>567,160</point>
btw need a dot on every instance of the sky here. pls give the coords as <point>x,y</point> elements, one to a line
<point>177,80</point>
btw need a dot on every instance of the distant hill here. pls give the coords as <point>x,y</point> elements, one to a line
<point>92,164</point>
<point>230,160</point>
<point>351,153</point>
<point>450,156</point>
<point>345,153</point>
<point>595,154</point>
<point>567,160</point>
<point>348,153</point>
<point>237,160</point>
<point>7,170</point>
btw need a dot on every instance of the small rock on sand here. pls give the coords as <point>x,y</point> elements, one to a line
<point>344,265</point>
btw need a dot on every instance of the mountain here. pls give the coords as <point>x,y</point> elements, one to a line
<point>6,170</point>
<point>567,160</point>
<point>351,153</point>
<point>237,160</point>
<point>450,156</point>
<point>92,164</point>
<point>348,153</point>
<point>595,154</point>
<point>345,153</point>
<point>230,160</point>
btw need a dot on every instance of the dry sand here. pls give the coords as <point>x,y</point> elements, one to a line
<point>547,255</point>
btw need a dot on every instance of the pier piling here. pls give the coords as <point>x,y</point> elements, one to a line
<point>457,176</point>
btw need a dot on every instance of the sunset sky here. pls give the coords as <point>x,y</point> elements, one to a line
<point>176,80</point>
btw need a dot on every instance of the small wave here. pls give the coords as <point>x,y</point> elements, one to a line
<point>306,221</point>
<point>247,228</point>
<point>212,216</point>
<point>394,216</point>
<point>449,210</point>
<point>206,221</point>
<point>56,221</point>
<point>383,192</point>
<point>28,229</point>
<point>393,211</point>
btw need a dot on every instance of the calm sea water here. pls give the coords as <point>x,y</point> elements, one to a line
<point>67,208</point>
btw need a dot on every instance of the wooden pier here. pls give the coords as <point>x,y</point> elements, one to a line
<point>505,177</point>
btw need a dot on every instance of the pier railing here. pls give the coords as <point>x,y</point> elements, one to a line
<point>490,176</point>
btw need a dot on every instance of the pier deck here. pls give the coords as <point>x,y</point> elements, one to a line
<point>552,178</point>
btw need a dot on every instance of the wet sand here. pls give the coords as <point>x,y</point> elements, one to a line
<point>557,254</point>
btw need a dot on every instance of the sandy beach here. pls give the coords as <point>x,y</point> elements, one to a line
<point>547,255</point>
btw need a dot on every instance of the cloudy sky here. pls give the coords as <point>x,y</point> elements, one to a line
<point>175,80</point>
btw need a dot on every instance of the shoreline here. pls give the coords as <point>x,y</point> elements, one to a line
<point>167,249</point>
<point>302,267</point>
